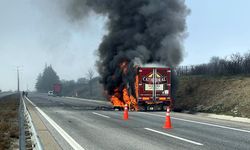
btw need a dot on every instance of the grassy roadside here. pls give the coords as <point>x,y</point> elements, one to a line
<point>9,131</point>
<point>221,95</point>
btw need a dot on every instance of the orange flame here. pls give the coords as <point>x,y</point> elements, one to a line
<point>136,86</point>
<point>128,99</point>
<point>126,96</point>
<point>115,99</point>
<point>116,102</point>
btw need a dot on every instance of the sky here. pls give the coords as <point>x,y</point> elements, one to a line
<point>34,33</point>
<point>216,28</point>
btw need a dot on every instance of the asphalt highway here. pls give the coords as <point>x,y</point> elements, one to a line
<point>3,94</point>
<point>94,125</point>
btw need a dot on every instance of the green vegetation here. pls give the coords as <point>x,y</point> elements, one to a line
<point>86,87</point>
<point>83,87</point>
<point>47,79</point>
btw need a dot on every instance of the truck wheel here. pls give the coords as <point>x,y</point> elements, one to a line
<point>164,107</point>
<point>161,107</point>
<point>145,107</point>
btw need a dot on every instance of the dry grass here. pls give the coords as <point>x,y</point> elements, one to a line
<point>221,95</point>
<point>9,132</point>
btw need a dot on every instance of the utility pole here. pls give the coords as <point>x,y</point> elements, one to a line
<point>18,89</point>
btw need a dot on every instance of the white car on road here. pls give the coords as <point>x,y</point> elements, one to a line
<point>50,93</point>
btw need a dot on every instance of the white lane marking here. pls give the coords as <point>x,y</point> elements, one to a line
<point>101,115</point>
<point>202,123</point>
<point>173,136</point>
<point>88,100</point>
<point>64,134</point>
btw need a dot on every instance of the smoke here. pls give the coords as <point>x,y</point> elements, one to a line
<point>139,31</point>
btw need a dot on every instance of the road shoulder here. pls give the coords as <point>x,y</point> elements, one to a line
<point>47,140</point>
<point>221,117</point>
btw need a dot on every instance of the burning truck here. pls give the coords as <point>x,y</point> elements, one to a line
<point>150,89</point>
<point>151,31</point>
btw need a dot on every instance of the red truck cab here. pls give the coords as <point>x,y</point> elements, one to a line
<point>154,88</point>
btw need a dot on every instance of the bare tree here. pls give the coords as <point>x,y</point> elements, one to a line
<point>90,75</point>
<point>234,64</point>
<point>246,63</point>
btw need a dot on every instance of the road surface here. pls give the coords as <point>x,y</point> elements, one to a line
<point>93,125</point>
<point>3,94</point>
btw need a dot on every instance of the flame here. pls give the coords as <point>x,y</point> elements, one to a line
<point>126,96</point>
<point>115,99</point>
<point>119,99</point>
<point>136,86</point>
<point>127,99</point>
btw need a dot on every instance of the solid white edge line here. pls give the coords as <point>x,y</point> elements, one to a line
<point>64,134</point>
<point>37,140</point>
<point>173,136</point>
<point>202,123</point>
<point>101,115</point>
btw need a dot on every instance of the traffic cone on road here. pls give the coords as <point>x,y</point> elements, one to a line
<point>167,124</point>
<point>125,115</point>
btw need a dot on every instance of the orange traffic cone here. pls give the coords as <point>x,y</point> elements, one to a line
<point>125,115</point>
<point>167,124</point>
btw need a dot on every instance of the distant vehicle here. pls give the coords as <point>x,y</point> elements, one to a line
<point>57,89</point>
<point>50,93</point>
<point>154,88</point>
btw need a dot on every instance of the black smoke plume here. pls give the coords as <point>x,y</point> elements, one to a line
<point>145,31</point>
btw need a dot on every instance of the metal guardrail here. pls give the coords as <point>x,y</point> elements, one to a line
<point>22,141</point>
<point>29,139</point>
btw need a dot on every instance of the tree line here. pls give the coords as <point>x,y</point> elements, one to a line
<point>235,64</point>
<point>85,87</point>
<point>89,86</point>
<point>47,79</point>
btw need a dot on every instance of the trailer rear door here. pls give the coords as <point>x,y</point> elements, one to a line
<point>154,84</point>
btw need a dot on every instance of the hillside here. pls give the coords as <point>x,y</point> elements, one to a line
<point>228,95</point>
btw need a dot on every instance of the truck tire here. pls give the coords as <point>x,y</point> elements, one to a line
<point>164,107</point>
<point>145,107</point>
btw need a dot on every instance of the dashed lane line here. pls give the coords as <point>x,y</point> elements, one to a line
<point>202,123</point>
<point>100,115</point>
<point>175,137</point>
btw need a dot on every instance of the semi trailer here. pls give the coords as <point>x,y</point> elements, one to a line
<point>153,88</point>
<point>57,89</point>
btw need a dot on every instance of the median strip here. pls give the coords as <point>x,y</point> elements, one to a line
<point>173,136</point>
<point>88,100</point>
<point>64,134</point>
<point>101,115</point>
<point>202,123</point>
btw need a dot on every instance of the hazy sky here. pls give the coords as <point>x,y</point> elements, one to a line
<point>36,32</point>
